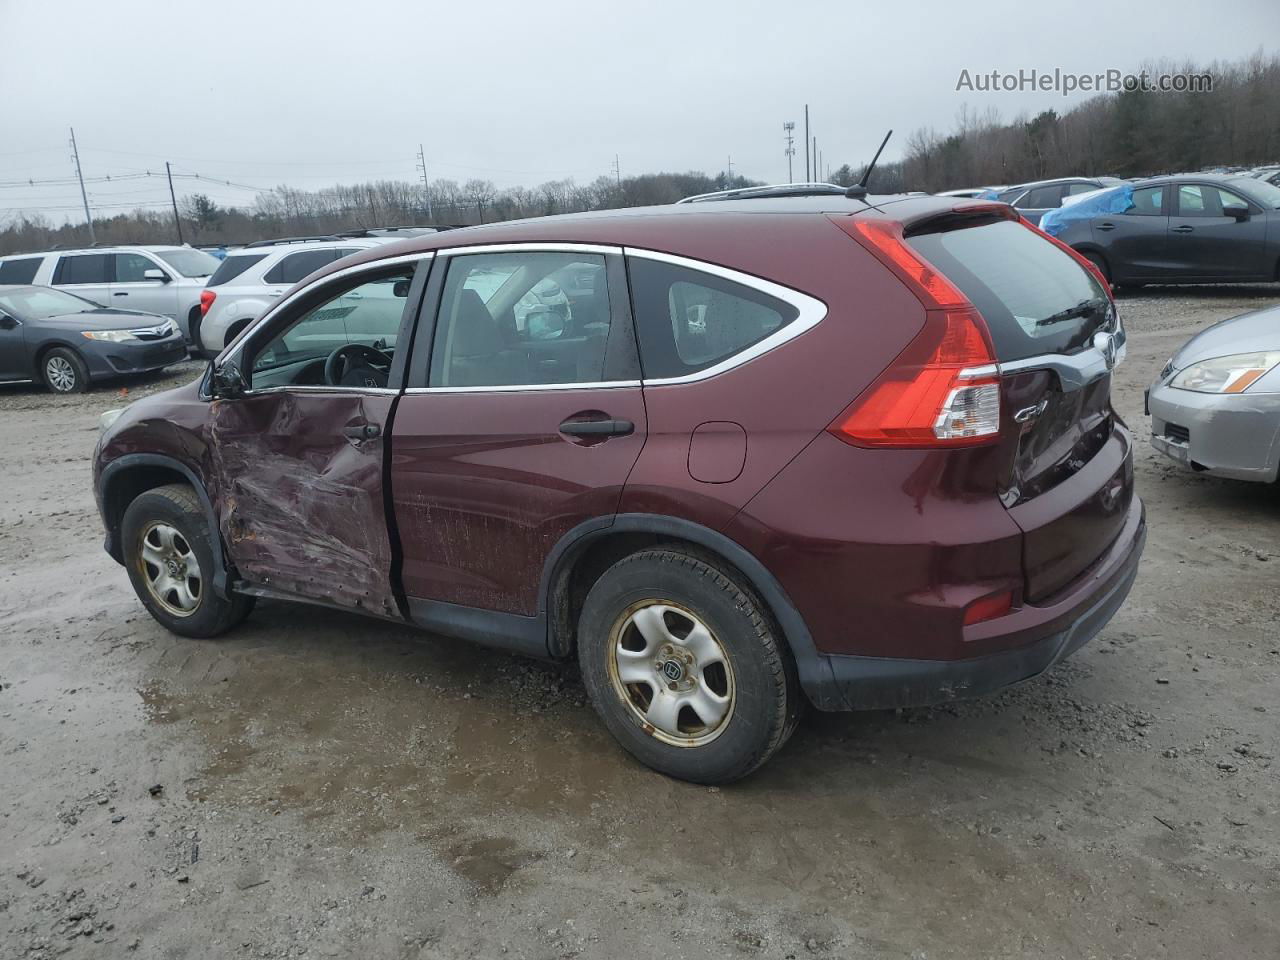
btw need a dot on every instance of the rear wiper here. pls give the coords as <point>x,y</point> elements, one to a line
<point>1079,310</point>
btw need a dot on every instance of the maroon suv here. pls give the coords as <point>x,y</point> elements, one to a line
<point>730,455</point>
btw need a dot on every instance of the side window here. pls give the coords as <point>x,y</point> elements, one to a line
<point>295,266</point>
<point>689,320</point>
<point>1229,199</point>
<point>84,268</point>
<point>1040,197</point>
<point>1075,188</point>
<point>132,267</point>
<point>1149,201</point>
<point>19,271</point>
<point>1197,201</point>
<point>512,319</point>
<point>363,313</point>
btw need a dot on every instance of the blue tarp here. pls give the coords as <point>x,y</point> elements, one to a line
<point>1114,200</point>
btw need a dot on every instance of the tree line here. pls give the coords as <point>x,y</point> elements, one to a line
<point>1127,134</point>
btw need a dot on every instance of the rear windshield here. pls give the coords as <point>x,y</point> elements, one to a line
<point>233,266</point>
<point>1035,298</point>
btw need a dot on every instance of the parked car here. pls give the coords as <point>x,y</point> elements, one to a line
<point>1188,228</point>
<point>1215,407</point>
<point>972,192</point>
<point>1269,174</point>
<point>163,280</point>
<point>859,453</point>
<point>250,279</point>
<point>66,341</point>
<point>1034,200</point>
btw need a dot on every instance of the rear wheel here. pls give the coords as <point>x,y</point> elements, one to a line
<point>1098,261</point>
<point>684,666</point>
<point>63,371</point>
<point>168,551</point>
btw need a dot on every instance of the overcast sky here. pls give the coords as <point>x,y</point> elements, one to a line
<point>266,91</point>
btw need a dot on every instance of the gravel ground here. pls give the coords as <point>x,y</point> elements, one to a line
<point>319,784</point>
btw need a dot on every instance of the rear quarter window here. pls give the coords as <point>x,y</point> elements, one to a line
<point>233,267</point>
<point>298,265</point>
<point>688,321</point>
<point>19,271</point>
<point>1035,298</point>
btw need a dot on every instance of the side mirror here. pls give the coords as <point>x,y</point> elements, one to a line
<point>228,380</point>
<point>155,273</point>
<point>400,289</point>
<point>1236,212</point>
<point>7,322</point>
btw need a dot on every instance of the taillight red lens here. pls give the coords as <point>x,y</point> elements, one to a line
<point>206,301</point>
<point>988,608</point>
<point>884,238</point>
<point>943,390</point>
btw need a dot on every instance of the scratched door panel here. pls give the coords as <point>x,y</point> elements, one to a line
<point>300,505</point>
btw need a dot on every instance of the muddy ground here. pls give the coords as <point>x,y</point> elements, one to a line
<point>318,784</point>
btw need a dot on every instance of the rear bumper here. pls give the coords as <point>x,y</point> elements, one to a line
<point>1233,436</point>
<point>1039,637</point>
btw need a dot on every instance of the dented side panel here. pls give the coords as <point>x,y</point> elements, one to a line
<point>300,504</point>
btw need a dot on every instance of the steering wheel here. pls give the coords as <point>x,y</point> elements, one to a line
<point>356,365</point>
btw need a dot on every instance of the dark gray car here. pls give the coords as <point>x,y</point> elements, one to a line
<point>1189,228</point>
<point>65,341</point>
<point>1034,200</point>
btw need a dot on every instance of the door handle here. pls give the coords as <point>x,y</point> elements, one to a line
<point>1185,228</point>
<point>1106,226</point>
<point>597,428</point>
<point>362,431</point>
<point>120,293</point>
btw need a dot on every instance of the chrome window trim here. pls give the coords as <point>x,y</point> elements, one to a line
<point>528,387</point>
<point>810,311</point>
<point>233,352</point>
<point>318,388</point>
<point>531,246</point>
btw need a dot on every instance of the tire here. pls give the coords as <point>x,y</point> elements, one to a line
<point>233,331</point>
<point>1101,264</point>
<point>168,523</point>
<point>63,371</point>
<point>193,331</point>
<point>680,599</point>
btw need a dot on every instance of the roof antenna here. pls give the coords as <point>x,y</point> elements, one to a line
<point>859,189</point>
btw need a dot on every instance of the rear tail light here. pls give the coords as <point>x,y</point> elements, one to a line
<point>943,390</point>
<point>206,301</point>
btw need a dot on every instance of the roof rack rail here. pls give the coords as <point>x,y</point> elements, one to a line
<point>815,189</point>
<point>282,240</point>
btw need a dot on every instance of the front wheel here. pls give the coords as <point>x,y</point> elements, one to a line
<point>683,664</point>
<point>168,551</point>
<point>64,372</point>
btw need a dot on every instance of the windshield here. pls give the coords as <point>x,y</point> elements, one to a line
<point>40,303</point>
<point>1266,194</point>
<point>190,263</point>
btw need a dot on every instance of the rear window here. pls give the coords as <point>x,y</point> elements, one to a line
<point>86,268</point>
<point>1035,298</point>
<point>233,266</point>
<point>298,265</point>
<point>689,321</point>
<point>19,271</point>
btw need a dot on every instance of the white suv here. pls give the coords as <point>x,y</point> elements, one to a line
<point>251,278</point>
<point>163,280</point>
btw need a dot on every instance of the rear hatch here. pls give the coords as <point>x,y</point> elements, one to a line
<point>1066,475</point>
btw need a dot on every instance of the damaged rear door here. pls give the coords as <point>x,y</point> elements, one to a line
<point>299,456</point>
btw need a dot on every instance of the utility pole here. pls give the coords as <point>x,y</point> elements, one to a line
<point>75,152</point>
<point>730,174</point>
<point>788,128</point>
<point>617,170</point>
<point>426,187</point>
<point>177,221</point>
<point>807,178</point>
<point>815,158</point>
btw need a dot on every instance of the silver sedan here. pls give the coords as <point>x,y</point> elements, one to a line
<point>1215,408</point>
